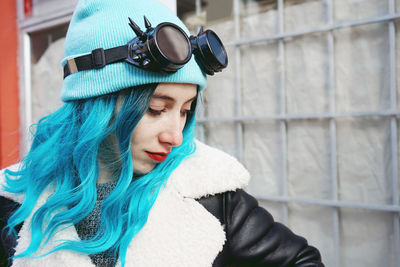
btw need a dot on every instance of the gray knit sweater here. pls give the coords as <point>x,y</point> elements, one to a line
<point>88,227</point>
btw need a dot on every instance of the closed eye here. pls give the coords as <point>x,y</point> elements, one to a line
<point>155,112</point>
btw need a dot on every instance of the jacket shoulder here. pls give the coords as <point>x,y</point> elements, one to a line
<point>253,237</point>
<point>208,171</point>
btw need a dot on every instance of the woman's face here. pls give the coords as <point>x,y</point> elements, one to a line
<point>161,127</point>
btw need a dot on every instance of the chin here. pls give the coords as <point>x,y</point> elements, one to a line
<point>141,170</point>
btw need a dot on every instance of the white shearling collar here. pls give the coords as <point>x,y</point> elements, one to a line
<point>15,197</point>
<point>207,172</point>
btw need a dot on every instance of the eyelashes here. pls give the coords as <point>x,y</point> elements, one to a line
<point>156,112</point>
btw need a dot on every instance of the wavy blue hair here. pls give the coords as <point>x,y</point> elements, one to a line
<point>65,154</point>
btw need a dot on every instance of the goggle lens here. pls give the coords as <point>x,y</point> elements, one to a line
<point>217,48</point>
<point>173,44</point>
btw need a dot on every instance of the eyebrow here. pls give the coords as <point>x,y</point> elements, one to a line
<point>171,99</point>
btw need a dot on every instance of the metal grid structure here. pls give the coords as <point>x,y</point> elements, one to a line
<point>283,118</point>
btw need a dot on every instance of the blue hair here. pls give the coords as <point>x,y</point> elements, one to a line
<point>64,155</point>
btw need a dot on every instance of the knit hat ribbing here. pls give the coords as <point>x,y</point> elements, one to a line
<point>104,24</point>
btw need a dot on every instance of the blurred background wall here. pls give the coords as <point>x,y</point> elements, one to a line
<point>308,103</point>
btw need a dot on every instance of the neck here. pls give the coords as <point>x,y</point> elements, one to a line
<point>105,174</point>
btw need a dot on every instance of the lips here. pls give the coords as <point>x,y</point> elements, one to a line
<point>159,157</point>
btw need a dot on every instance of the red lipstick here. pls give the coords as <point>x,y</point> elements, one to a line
<point>159,157</point>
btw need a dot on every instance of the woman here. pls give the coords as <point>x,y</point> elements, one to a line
<point>114,177</point>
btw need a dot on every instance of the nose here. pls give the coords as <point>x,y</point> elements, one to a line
<point>172,132</point>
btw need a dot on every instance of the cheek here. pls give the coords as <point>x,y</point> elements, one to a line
<point>143,131</point>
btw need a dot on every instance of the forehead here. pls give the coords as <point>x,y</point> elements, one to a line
<point>176,91</point>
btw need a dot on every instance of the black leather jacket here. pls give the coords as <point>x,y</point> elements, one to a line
<point>253,238</point>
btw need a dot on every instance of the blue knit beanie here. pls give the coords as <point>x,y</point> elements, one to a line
<point>104,24</point>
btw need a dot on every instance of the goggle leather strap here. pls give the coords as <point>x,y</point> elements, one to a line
<point>97,59</point>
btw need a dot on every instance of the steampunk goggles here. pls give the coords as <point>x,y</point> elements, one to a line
<point>164,48</point>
